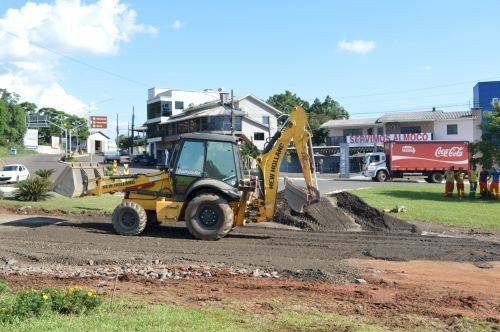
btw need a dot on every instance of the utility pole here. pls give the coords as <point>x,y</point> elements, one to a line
<point>117,132</point>
<point>132,132</point>
<point>232,115</point>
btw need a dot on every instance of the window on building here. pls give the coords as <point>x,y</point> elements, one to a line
<point>179,105</point>
<point>258,136</point>
<point>369,131</point>
<point>166,108</point>
<point>452,129</point>
<point>410,130</point>
<point>154,110</point>
<point>352,131</point>
<point>380,131</point>
<point>265,120</point>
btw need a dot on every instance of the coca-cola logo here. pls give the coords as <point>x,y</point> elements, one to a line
<point>455,151</point>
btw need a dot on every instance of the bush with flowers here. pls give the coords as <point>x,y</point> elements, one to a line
<point>32,303</point>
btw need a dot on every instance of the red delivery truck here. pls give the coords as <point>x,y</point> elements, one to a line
<point>422,158</point>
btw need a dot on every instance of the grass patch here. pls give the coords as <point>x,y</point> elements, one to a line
<point>149,317</point>
<point>94,204</point>
<point>5,151</point>
<point>427,203</point>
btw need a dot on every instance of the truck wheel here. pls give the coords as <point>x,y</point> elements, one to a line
<point>129,218</point>
<point>209,217</point>
<point>436,177</point>
<point>381,176</point>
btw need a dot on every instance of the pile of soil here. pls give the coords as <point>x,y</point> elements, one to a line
<point>340,212</point>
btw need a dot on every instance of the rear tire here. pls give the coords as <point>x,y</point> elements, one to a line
<point>209,217</point>
<point>381,176</point>
<point>129,219</point>
<point>436,177</point>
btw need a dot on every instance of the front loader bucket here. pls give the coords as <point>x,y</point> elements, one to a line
<point>74,179</point>
<point>298,198</point>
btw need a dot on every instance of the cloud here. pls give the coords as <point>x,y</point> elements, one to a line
<point>426,68</point>
<point>177,25</point>
<point>357,46</point>
<point>37,37</point>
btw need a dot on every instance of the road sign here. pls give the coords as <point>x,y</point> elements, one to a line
<point>98,121</point>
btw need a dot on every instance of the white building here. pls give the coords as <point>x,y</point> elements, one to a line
<point>99,142</point>
<point>435,125</point>
<point>247,117</point>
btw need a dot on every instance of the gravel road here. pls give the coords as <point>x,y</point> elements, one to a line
<point>78,240</point>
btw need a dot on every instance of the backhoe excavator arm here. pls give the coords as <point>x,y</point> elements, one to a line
<point>295,129</point>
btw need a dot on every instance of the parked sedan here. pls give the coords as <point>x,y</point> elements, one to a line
<point>13,173</point>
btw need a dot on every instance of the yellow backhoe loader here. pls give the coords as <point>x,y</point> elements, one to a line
<point>203,184</point>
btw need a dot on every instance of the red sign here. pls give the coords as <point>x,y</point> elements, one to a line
<point>98,121</point>
<point>427,155</point>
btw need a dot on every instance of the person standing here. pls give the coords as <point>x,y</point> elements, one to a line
<point>460,176</point>
<point>450,182</point>
<point>484,176</point>
<point>473,175</point>
<point>495,179</point>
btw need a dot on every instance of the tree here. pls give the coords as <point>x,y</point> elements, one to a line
<point>321,112</point>
<point>489,146</point>
<point>285,102</point>
<point>318,113</point>
<point>12,118</point>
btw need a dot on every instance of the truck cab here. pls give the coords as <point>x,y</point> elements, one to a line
<point>375,167</point>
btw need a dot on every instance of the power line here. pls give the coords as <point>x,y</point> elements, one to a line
<point>418,89</point>
<point>77,60</point>
<point>412,109</point>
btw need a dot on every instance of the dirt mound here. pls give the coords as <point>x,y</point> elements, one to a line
<point>340,212</point>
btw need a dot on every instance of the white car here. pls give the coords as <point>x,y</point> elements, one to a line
<point>13,173</point>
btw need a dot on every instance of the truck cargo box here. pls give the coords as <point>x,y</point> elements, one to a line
<point>427,155</point>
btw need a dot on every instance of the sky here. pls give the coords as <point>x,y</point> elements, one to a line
<point>100,57</point>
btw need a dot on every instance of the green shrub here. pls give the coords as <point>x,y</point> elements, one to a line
<point>29,303</point>
<point>4,286</point>
<point>32,303</point>
<point>45,173</point>
<point>68,158</point>
<point>74,300</point>
<point>33,190</point>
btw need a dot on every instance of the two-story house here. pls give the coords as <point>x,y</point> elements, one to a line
<point>247,117</point>
<point>432,125</point>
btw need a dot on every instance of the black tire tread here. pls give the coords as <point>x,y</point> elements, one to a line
<point>141,213</point>
<point>220,231</point>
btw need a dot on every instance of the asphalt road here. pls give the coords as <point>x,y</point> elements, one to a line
<point>327,183</point>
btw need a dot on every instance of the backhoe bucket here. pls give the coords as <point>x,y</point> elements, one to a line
<point>74,179</point>
<point>299,198</point>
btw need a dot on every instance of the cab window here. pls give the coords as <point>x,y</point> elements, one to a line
<point>191,159</point>
<point>220,163</point>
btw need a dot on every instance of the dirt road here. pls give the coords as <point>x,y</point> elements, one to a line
<point>438,279</point>
<point>76,241</point>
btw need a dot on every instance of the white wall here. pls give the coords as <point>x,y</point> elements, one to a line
<point>187,97</point>
<point>256,111</point>
<point>465,130</point>
<point>248,129</point>
<point>47,149</point>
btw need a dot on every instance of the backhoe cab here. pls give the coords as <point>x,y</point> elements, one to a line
<point>203,184</point>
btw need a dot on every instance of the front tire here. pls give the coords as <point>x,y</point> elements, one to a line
<point>129,219</point>
<point>209,217</point>
<point>381,176</point>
